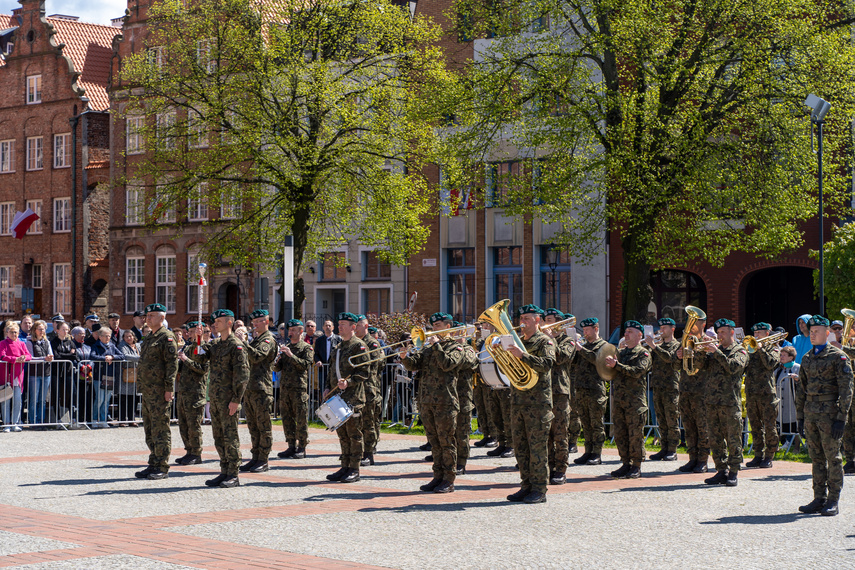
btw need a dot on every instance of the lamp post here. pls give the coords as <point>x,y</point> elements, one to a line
<point>552,261</point>
<point>237,273</point>
<point>819,108</point>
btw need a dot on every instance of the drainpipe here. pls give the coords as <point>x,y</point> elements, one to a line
<point>74,272</point>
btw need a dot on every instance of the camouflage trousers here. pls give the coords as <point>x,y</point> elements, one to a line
<point>371,425</point>
<point>825,455</point>
<point>350,440</point>
<point>628,421</point>
<point>257,405</point>
<point>559,447</point>
<point>294,409</point>
<point>225,428</point>
<point>574,424</point>
<point>592,409</point>
<point>462,433</point>
<point>486,423</point>
<point>762,416</point>
<point>158,437</point>
<point>500,411</point>
<point>693,412</point>
<point>190,412</point>
<point>726,437</point>
<point>666,404</point>
<point>441,428</point>
<point>531,441</point>
<point>849,436</point>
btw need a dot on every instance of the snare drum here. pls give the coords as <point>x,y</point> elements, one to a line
<point>334,412</point>
<point>492,376</point>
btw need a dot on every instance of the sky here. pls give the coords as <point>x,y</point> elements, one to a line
<point>95,11</point>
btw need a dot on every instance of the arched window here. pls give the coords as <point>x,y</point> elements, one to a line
<point>134,280</point>
<point>165,277</point>
<point>672,291</point>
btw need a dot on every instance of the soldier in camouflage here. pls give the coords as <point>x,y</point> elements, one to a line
<point>156,372</point>
<point>294,362</point>
<point>229,376</point>
<point>373,392</point>
<point>590,394</point>
<point>761,398</point>
<point>848,441</point>
<point>438,366</point>
<point>665,386</point>
<point>482,400</point>
<point>192,388</point>
<point>629,396</point>
<point>822,404</point>
<point>350,379</point>
<point>499,402</point>
<point>465,379</point>
<point>531,409</point>
<point>258,398</point>
<point>693,409</point>
<point>559,447</point>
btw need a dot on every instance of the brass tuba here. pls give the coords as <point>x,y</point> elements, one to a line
<point>847,326</point>
<point>688,341</point>
<point>520,374</point>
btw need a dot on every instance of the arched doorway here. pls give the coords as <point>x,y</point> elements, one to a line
<point>672,291</point>
<point>227,297</point>
<point>778,295</point>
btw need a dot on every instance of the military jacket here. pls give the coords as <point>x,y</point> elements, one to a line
<point>294,370</point>
<point>722,372</point>
<point>760,373</point>
<point>192,377</point>
<point>540,357</point>
<point>826,384</point>
<point>357,376</point>
<point>630,383</point>
<point>692,384</point>
<point>438,366</point>
<point>465,375</point>
<point>587,377</point>
<point>261,354</point>
<point>158,364</point>
<point>229,367</point>
<point>372,385</point>
<point>565,349</point>
<point>664,377</point>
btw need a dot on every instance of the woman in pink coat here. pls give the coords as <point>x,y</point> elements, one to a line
<point>13,355</point>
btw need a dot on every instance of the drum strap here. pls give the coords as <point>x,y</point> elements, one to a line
<point>337,369</point>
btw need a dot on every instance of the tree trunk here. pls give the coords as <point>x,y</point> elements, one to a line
<point>636,291</point>
<point>300,233</point>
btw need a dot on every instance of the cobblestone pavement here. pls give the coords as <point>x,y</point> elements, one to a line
<point>69,500</point>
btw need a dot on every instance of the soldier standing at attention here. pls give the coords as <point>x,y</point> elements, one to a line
<point>465,378</point>
<point>350,380</point>
<point>761,398</point>
<point>822,405</point>
<point>258,398</point>
<point>482,399</point>
<point>438,366</point>
<point>156,372</point>
<point>191,388</point>
<point>229,376</point>
<point>665,385</point>
<point>373,395</point>
<point>295,360</point>
<point>629,392</point>
<point>723,369</point>
<point>590,395</point>
<point>693,409</point>
<point>559,446</point>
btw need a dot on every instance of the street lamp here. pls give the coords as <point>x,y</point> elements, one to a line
<point>237,273</point>
<point>819,108</point>
<point>552,261</point>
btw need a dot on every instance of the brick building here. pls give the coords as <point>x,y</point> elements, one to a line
<point>54,158</point>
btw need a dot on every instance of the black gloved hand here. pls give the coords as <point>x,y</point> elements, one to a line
<point>802,428</point>
<point>837,429</point>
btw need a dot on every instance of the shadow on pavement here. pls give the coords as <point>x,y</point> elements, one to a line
<point>88,481</point>
<point>430,507</point>
<point>784,518</point>
<point>801,477</point>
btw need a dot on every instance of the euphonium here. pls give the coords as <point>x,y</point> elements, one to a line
<point>520,374</point>
<point>688,342</point>
<point>847,326</point>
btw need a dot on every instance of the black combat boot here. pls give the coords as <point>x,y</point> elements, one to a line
<point>573,449</point>
<point>849,468</point>
<point>491,442</point>
<point>460,470</point>
<point>444,487</point>
<point>144,473</point>
<point>756,462</point>
<point>429,487</point>
<point>621,472</point>
<point>499,450</point>
<point>425,447</point>
<point>557,479</point>
<point>732,480</point>
<point>659,456</point>
<point>229,482</point>
<point>299,453</point>
<point>519,495</point>
<point>720,478</point>
<point>368,459</point>
<point>193,460</point>
<point>594,459</point>
<point>352,476</point>
<point>215,482</point>
<point>634,472</point>
<point>814,506</point>
<point>248,465</point>
<point>670,456</point>
<point>534,497</point>
<point>429,458</point>
<point>508,452</point>
<point>288,452</point>
<point>260,467</point>
<point>364,461</point>
<point>688,467</point>
<point>830,509</point>
<point>337,475</point>
<point>767,463</point>
<point>481,442</point>
<point>157,475</point>
<point>181,460</point>
<point>700,467</point>
<point>582,459</point>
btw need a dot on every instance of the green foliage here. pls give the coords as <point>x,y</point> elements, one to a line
<point>396,324</point>
<point>839,254</point>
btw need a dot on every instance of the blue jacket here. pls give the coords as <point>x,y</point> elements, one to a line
<point>98,355</point>
<point>801,342</point>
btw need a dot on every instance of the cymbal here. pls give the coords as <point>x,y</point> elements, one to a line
<point>606,373</point>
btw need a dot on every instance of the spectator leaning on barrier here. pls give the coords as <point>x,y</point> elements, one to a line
<point>38,374</point>
<point>128,378</point>
<point>13,354</point>
<point>84,387</point>
<point>786,384</point>
<point>63,386</point>
<point>104,374</point>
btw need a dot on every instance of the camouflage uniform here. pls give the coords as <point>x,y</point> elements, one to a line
<point>574,421</point>
<point>156,371</point>
<point>629,392</point>
<point>665,385</point>
<point>481,397</point>
<point>373,397</point>
<point>693,411</point>
<point>191,388</point>
<point>294,392</point>
<point>464,397</point>
<point>825,396</point>
<point>229,376</point>
<point>722,372</point>
<point>559,446</point>
<point>590,396</point>
<point>350,433</point>
<point>438,367</point>
<point>500,411</point>
<point>848,442</point>
<point>761,400</point>
<point>258,398</point>
<point>531,415</point>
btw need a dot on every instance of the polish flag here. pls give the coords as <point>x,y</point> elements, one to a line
<point>22,222</point>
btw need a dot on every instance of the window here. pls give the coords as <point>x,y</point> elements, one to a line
<point>134,144</point>
<point>34,89</point>
<point>461,284</point>
<point>163,209</point>
<point>499,178</point>
<point>7,289</point>
<point>197,208</point>
<point>165,280</point>
<point>205,55</point>
<point>373,269</point>
<point>230,202</point>
<point>166,129</point>
<point>7,214</point>
<point>154,56</point>
<point>61,288</point>
<point>673,290</point>
<point>61,215</point>
<point>35,206</point>
<point>37,277</point>
<point>134,280</point>
<point>134,205</point>
<point>62,150</point>
<point>34,153</point>
<point>197,132</point>
<point>375,301</point>
<point>193,284</point>
<point>332,267</point>
<point>555,286</point>
<point>507,267</point>
<point>7,156</point>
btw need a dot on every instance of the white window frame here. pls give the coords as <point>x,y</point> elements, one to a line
<point>197,208</point>
<point>37,279</point>
<point>133,136</point>
<point>134,283</point>
<point>7,214</point>
<point>62,215</point>
<point>62,288</point>
<point>34,89</point>
<point>62,150</point>
<point>35,206</point>
<point>197,131</point>
<point>231,202</point>
<point>169,214</point>
<point>193,285</point>
<point>7,156</point>
<point>154,56</point>
<point>134,205</point>
<point>165,129</point>
<point>35,153</point>
<point>203,55</point>
<point>165,286</point>
<point>7,289</point>
<point>372,286</point>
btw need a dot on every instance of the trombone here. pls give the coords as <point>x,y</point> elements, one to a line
<point>566,323</point>
<point>751,344</point>
<point>418,336</point>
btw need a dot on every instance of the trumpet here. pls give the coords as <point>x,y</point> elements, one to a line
<point>418,336</point>
<point>566,323</point>
<point>751,344</point>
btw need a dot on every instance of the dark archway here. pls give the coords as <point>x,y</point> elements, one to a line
<point>778,295</point>
<point>672,291</point>
<point>227,297</point>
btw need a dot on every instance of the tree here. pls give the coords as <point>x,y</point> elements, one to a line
<point>839,254</point>
<point>295,118</point>
<point>679,125</point>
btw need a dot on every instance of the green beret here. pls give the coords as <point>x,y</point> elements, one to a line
<point>361,317</point>
<point>723,323</point>
<point>818,321</point>
<point>590,322</point>
<point>259,313</point>
<point>348,317</point>
<point>295,323</point>
<point>761,327</point>
<point>153,308</point>
<point>555,313</point>
<point>633,325</point>
<point>440,317</point>
<point>192,324</point>
<point>372,330</point>
<point>667,321</point>
<point>222,313</point>
<point>531,309</point>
